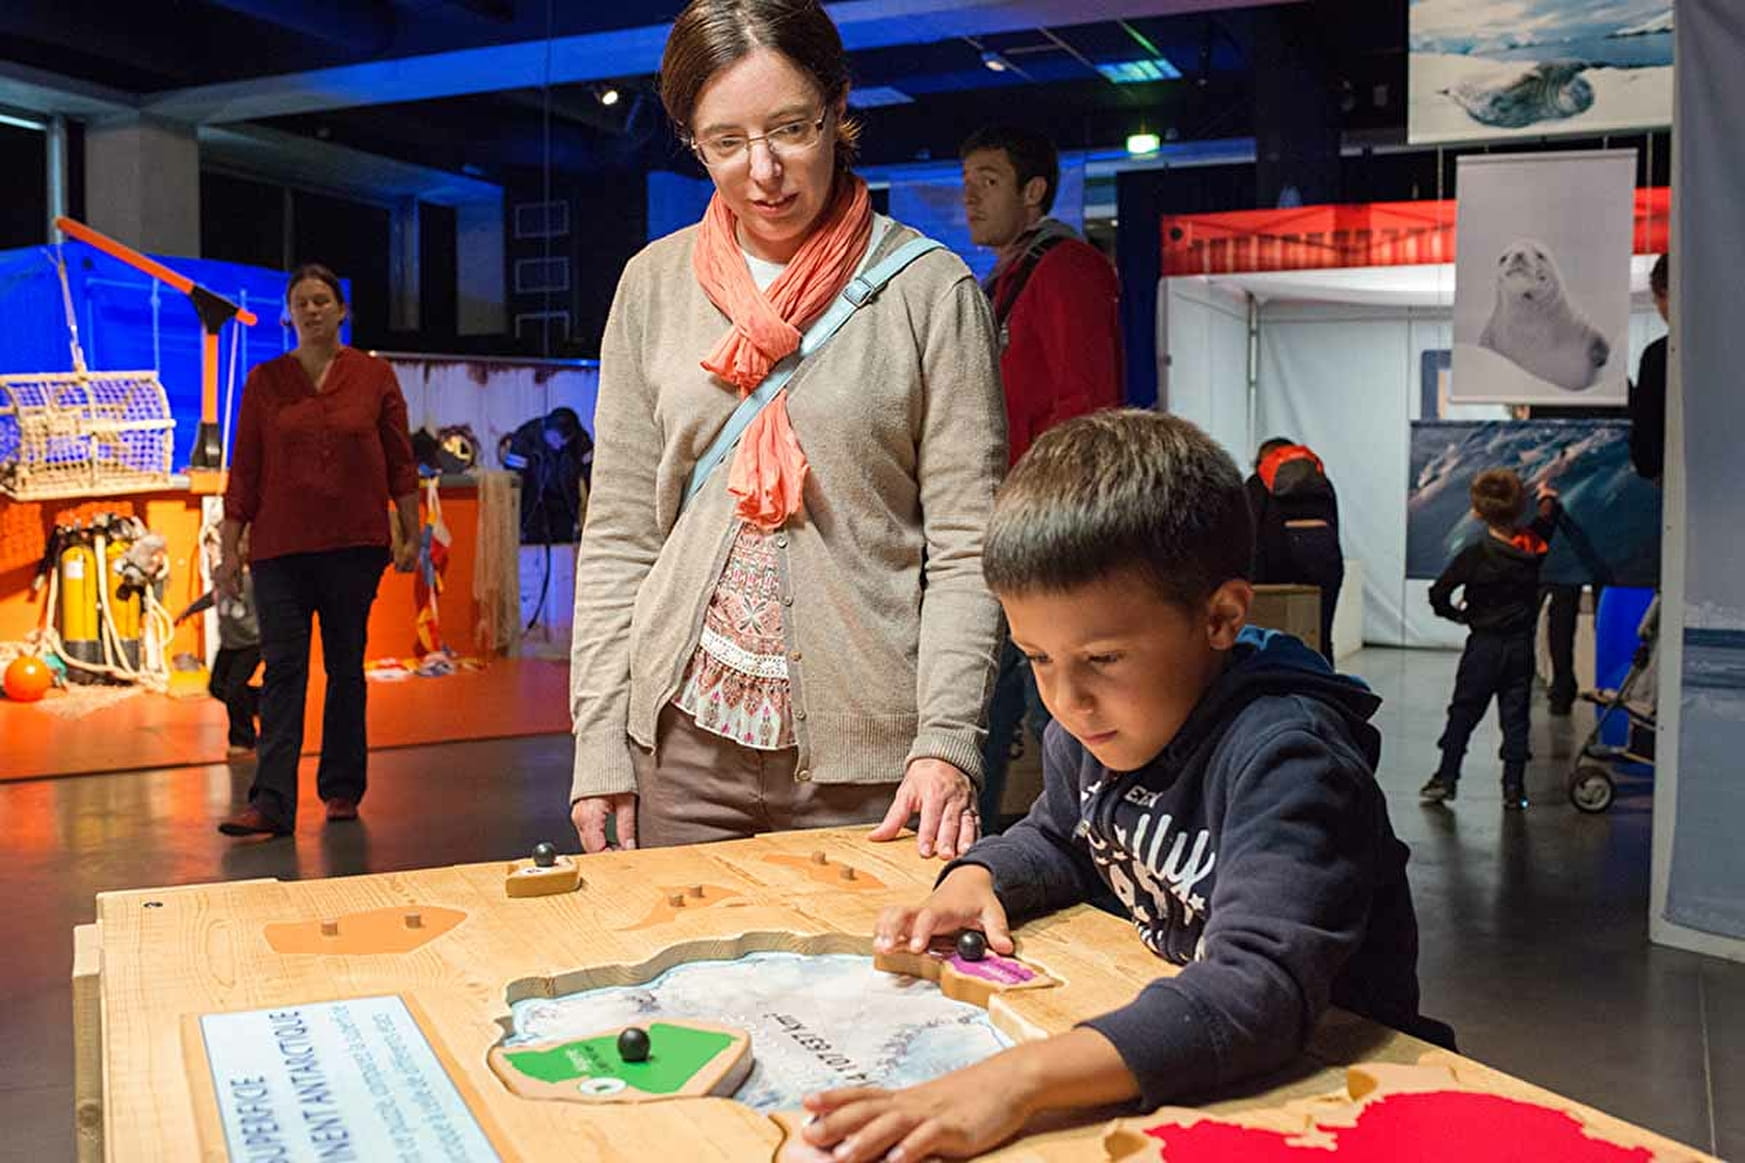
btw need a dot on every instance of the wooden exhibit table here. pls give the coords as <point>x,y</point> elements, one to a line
<point>458,951</point>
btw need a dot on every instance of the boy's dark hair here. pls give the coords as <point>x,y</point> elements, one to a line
<point>1271,446</point>
<point>1496,497</point>
<point>1117,491</point>
<point>1660,276</point>
<point>1031,154</point>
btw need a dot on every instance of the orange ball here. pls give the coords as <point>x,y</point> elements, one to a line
<point>28,679</point>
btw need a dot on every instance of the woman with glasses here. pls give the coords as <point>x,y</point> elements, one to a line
<point>806,641</point>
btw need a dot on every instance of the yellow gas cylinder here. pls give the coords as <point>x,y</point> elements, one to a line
<point>77,616</point>
<point>124,600</point>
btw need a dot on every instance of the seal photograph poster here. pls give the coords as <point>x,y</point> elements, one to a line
<point>1542,278</point>
<point>1483,69</point>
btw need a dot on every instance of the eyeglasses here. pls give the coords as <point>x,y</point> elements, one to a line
<point>790,140</point>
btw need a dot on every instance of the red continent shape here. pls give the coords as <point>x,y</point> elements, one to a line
<point>1436,1127</point>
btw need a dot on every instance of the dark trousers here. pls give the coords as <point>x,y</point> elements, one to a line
<point>1562,612</point>
<point>1496,666</point>
<point>233,685</point>
<point>1015,701</point>
<point>337,587</point>
<point>1317,560</point>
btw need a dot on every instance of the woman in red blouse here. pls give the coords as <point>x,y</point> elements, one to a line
<point>321,446</point>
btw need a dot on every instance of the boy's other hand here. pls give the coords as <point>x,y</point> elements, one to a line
<point>964,1113</point>
<point>965,900</point>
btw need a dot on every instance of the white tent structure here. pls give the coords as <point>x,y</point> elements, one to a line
<point>1334,358</point>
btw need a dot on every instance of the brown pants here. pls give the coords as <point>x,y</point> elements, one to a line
<point>707,788</point>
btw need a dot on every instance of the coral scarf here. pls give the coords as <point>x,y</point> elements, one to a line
<point>769,469</point>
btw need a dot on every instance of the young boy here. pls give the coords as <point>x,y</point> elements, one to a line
<point>239,656</point>
<point>1500,576</point>
<point>1219,780</point>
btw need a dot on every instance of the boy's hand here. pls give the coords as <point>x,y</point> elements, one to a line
<point>965,900</point>
<point>964,1113</point>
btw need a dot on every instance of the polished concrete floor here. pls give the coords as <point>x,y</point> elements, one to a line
<point>1534,925</point>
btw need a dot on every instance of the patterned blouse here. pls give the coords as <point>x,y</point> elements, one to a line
<point>736,684</point>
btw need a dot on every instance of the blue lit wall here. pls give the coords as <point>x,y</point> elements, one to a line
<point>130,322</point>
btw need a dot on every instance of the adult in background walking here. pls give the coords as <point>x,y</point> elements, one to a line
<point>321,448</point>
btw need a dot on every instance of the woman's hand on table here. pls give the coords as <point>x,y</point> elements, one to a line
<point>945,799</point>
<point>590,813</point>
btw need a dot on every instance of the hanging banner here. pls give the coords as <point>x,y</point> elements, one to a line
<point>1484,69</point>
<point>1542,278</point>
<point>1699,799</point>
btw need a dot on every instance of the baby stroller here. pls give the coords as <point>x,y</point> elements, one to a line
<point>1591,783</point>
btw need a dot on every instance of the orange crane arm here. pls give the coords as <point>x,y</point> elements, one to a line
<point>138,261</point>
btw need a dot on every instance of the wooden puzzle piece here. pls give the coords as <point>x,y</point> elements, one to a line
<point>525,878</point>
<point>819,867</point>
<point>793,1148</point>
<point>1382,1106</point>
<point>963,980</point>
<point>684,1059</point>
<point>676,900</point>
<point>392,930</point>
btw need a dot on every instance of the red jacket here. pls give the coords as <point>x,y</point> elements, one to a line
<point>315,471</point>
<point>1062,355</point>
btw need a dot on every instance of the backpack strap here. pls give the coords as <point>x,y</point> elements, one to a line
<point>861,290</point>
<point>1005,293</point>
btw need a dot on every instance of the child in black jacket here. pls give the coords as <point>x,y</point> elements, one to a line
<point>1499,574</point>
<point>1218,779</point>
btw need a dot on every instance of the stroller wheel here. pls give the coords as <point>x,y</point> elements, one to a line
<point>1591,788</point>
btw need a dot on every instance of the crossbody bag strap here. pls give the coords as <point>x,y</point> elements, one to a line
<point>861,290</point>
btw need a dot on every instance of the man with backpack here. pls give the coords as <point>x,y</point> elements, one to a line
<point>1056,303</point>
<point>1296,526</point>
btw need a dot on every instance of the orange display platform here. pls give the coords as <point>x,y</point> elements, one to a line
<point>508,697</point>
<point>25,527</point>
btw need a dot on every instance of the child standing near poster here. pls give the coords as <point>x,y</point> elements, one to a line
<point>1499,578</point>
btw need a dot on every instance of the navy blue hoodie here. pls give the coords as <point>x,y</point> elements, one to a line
<point>1255,851</point>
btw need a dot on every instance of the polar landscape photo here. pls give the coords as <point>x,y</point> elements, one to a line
<point>1529,68</point>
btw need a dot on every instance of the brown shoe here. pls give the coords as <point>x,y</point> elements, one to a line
<point>251,821</point>
<point>339,808</point>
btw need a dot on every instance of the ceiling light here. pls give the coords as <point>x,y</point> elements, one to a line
<point>608,96</point>
<point>995,61</point>
<point>878,95</point>
<point>1140,71</point>
<point>20,123</point>
<point>1139,144</point>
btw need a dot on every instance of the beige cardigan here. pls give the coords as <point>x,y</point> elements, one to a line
<point>891,632</point>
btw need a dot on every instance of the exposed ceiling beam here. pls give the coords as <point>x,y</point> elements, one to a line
<point>37,91</point>
<point>253,151</point>
<point>865,24</point>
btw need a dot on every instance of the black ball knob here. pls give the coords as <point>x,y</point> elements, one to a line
<point>971,945</point>
<point>633,1044</point>
<point>544,855</point>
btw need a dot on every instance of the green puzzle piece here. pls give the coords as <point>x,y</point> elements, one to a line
<point>676,1054</point>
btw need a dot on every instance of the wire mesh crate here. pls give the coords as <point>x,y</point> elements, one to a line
<point>81,434</point>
